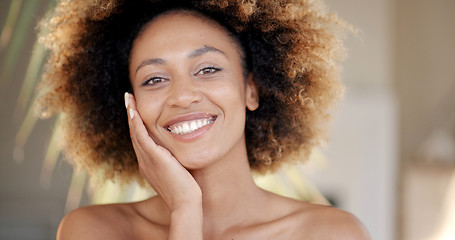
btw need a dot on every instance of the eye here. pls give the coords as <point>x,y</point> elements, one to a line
<point>153,80</point>
<point>208,70</point>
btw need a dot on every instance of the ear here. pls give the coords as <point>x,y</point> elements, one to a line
<point>251,94</point>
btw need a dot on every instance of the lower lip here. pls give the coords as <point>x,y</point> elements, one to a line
<point>194,135</point>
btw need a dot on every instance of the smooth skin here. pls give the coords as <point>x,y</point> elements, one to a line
<point>183,67</point>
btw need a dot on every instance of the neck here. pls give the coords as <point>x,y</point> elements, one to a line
<point>228,190</point>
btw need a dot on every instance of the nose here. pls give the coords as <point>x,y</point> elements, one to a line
<point>183,93</point>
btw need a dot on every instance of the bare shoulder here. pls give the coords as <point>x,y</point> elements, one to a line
<point>112,221</point>
<point>323,222</point>
<point>94,222</point>
<point>303,220</point>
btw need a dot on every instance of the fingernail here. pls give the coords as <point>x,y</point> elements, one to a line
<point>126,99</point>
<point>131,113</point>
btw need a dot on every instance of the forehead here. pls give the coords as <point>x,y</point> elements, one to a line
<point>182,27</point>
<point>188,16</point>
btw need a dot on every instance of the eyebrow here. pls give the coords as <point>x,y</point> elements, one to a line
<point>206,49</point>
<point>195,53</point>
<point>154,61</point>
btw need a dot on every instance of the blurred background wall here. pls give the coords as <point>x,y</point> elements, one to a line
<point>391,159</point>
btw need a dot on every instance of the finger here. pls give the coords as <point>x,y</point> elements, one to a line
<point>143,142</point>
<point>141,133</point>
<point>127,105</point>
<point>137,125</point>
<point>148,152</point>
<point>130,113</point>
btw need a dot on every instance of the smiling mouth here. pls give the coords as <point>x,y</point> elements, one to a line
<point>190,126</point>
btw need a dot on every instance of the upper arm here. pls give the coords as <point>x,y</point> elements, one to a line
<point>86,223</point>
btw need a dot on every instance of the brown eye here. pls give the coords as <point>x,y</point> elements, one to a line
<point>208,70</point>
<point>153,81</point>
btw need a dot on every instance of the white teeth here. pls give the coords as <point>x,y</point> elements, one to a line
<point>193,126</point>
<point>186,127</point>
<point>190,126</point>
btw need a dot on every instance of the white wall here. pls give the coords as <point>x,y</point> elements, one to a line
<point>360,174</point>
<point>363,152</point>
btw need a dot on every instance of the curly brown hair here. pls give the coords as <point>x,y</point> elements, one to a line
<point>290,46</point>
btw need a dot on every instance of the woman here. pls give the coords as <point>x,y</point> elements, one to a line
<point>215,88</point>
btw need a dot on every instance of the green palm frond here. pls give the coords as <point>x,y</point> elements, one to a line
<point>28,123</point>
<point>10,23</point>
<point>32,73</point>
<point>20,31</point>
<point>51,158</point>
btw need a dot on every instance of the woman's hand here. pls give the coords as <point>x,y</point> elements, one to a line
<point>162,171</point>
<point>171,181</point>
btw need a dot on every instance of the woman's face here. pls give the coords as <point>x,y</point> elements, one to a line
<point>190,90</point>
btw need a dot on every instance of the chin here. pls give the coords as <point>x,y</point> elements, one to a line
<point>192,161</point>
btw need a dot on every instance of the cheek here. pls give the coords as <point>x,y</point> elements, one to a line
<point>229,91</point>
<point>231,99</point>
<point>149,109</point>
